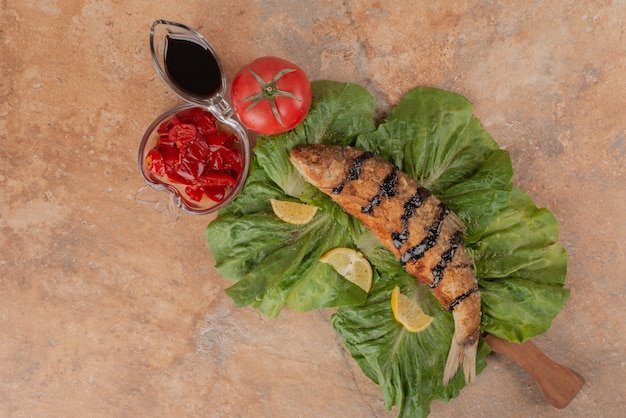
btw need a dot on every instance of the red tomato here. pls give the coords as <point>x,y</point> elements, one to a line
<point>271,95</point>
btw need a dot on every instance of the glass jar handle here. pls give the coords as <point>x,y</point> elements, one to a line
<point>222,107</point>
<point>164,203</point>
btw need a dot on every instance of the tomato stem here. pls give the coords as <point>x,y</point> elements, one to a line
<point>270,92</point>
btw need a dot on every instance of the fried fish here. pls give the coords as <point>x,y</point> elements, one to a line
<point>413,224</point>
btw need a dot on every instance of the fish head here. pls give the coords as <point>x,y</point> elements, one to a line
<point>324,166</point>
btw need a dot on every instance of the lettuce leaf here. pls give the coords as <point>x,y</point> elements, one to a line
<point>407,366</point>
<point>433,136</point>
<point>272,263</point>
<point>521,270</point>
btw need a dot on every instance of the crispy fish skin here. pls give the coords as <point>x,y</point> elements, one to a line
<point>413,224</point>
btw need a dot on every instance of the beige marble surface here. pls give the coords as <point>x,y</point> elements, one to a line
<point>107,311</point>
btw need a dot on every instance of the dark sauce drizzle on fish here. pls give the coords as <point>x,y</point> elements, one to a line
<point>410,206</point>
<point>413,254</point>
<point>354,171</point>
<point>446,257</point>
<point>387,190</point>
<point>460,298</point>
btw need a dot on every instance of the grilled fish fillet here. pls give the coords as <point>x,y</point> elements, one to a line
<point>413,224</point>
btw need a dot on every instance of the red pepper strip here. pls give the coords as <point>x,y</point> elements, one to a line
<point>194,193</point>
<point>174,177</point>
<point>198,150</point>
<point>166,126</point>
<point>190,169</point>
<point>206,124</point>
<point>212,178</point>
<point>171,156</point>
<point>155,163</point>
<point>216,194</point>
<point>223,158</point>
<point>182,133</point>
<point>202,119</point>
<point>220,138</point>
<point>187,115</point>
<point>191,115</point>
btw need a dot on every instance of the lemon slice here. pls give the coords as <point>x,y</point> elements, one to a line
<point>350,264</point>
<point>293,212</point>
<point>408,312</point>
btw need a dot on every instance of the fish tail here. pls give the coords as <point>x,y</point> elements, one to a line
<point>463,355</point>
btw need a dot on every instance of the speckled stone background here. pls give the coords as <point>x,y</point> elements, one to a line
<point>107,311</point>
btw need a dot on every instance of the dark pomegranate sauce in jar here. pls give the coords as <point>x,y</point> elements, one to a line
<point>192,66</point>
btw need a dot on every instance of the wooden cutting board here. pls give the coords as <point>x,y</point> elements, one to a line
<point>558,384</point>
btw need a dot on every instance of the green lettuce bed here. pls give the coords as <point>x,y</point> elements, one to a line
<point>433,136</point>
